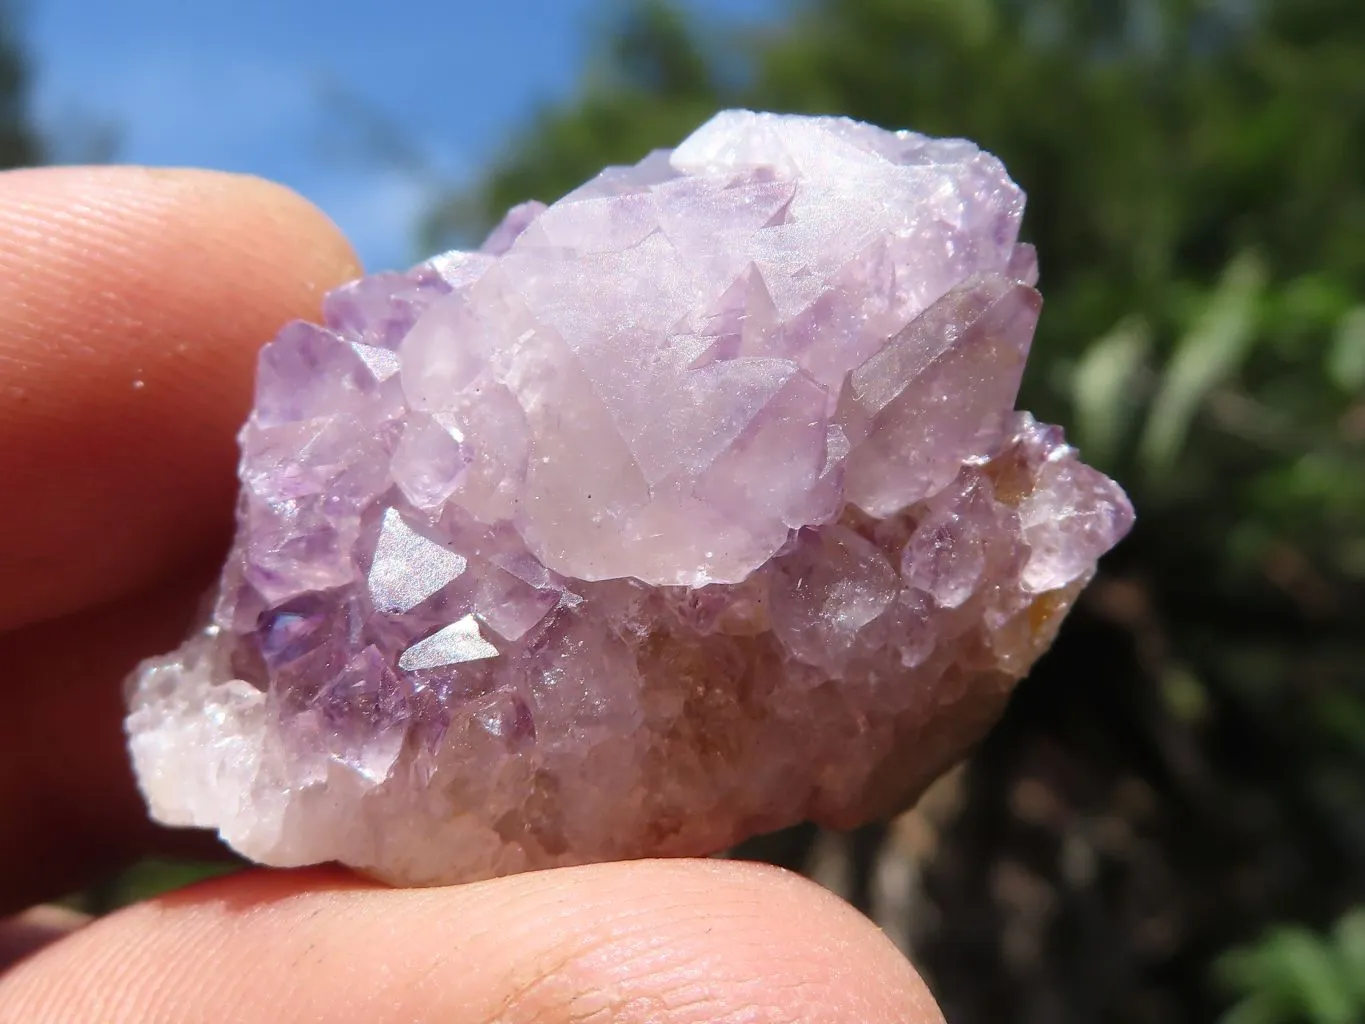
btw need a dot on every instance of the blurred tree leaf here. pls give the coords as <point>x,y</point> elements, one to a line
<point>1103,387</point>
<point>1207,356</point>
<point>1346,360</point>
<point>1349,937</point>
<point>1293,974</point>
<point>1258,1009</point>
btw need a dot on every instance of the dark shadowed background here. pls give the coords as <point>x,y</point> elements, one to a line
<point>1169,825</point>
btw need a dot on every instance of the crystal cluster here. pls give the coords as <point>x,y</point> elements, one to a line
<point>689,507</point>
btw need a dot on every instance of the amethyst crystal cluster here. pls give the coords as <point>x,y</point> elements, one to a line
<point>691,506</point>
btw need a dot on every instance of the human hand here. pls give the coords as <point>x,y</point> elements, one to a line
<point>131,306</point>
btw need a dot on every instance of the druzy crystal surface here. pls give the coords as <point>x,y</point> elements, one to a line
<point>689,507</point>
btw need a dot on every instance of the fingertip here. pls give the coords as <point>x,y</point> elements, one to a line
<point>26,933</point>
<point>110,199</point>
<point>318,258</point>
<point>660,942</point>
<point>133,302</point>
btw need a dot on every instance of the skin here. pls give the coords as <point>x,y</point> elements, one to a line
<point>132,303</point>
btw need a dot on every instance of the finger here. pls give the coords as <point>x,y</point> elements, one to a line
<point>70,809</point>
<point>29,932</point>
<point>684,942</point>
<point>111,276</point>
<point>132,304</point>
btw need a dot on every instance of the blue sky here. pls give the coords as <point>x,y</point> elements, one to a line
<point>251,85</point>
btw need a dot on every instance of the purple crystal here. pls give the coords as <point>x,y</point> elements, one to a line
<point>691,506</point>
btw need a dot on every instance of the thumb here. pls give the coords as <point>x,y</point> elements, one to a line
<point>681,942</point>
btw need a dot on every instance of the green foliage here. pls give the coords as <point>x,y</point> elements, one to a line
<point>1196,180</point>
<point>1293,975</point>
<point>19,143</point>
<point>148,879</point>
<point>1101,387</point>
<point>1210,353</point>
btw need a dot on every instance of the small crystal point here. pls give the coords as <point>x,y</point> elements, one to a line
<point>691,506</point>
